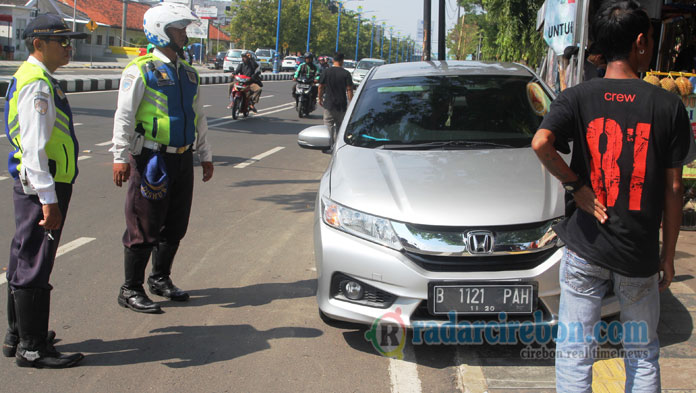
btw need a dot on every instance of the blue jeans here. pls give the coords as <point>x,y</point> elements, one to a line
<point>583,285</point>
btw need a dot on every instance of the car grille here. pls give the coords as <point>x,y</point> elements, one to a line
<point>492,263</point>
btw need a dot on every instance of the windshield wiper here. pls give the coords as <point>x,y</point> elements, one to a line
<point>444,144</point>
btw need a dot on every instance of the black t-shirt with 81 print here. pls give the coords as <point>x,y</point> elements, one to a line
<point>625,133</point>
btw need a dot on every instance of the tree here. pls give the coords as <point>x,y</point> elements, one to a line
<point>507,29</point>
<point>253,25</point>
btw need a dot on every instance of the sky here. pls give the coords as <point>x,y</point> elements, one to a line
<point>403,15</point>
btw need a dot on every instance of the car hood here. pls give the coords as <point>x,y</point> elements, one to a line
<point>446,187</point>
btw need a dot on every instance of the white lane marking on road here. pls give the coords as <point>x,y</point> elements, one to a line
<point>78,124</point>
<point>4,177</point>
<point>267,96</point>
<point>258,158</point>
<point>3,136</point>
<point>80,158</point>
<point>207,106</point>
<point>92,92</point>
<point>65,248</point>
<point>264,111</point>
<point>470,378</point>
<point>404,373</point>
<point>80,241</point>
<point>103,143</point>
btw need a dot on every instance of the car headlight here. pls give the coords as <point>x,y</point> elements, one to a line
<point>375,229</point>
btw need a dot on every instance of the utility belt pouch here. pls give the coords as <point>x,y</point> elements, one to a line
<point>137,141</point>
<point>26,186</point>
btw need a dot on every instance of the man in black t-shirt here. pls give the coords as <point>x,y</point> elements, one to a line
<point>337,84</point>
<point>629,142</point>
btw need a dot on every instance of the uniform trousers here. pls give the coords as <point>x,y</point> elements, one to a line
<point>151,222</point>
<point>32,252</point>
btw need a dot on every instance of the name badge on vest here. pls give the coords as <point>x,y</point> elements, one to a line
<point>192,77</point>
<point>163,78</point>
<point>60,92</point>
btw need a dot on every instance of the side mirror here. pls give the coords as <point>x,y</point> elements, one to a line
<point>315,137</point>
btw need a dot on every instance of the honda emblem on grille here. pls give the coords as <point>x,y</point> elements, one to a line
<point>479,242</point>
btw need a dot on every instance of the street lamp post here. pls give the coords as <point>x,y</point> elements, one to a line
<point>338,26</point>
<point>309,24</point>
<point>381,40</point>
<point>372,34</point>
<point>276,60</point>
<point>391,38</point>
<point>357,35</point>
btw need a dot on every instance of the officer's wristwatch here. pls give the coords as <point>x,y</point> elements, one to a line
<point>573,186</point>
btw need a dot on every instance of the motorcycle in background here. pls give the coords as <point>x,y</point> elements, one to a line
<point>239,96</point>
<point>304,99</point>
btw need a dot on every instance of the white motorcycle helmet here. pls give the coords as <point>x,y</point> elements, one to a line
<point>163,15</point>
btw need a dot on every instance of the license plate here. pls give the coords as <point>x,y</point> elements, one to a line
<point>303,86</point>
<point>512,298</point>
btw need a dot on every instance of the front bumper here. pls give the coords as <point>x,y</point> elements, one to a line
<point>405,283</point>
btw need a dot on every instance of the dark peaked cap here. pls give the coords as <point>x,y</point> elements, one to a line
<point>47,25</point>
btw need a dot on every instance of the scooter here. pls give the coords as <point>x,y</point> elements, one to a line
<point>304,99</point>
<point>239,96</point>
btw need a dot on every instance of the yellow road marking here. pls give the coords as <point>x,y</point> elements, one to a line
<point>608,376</point>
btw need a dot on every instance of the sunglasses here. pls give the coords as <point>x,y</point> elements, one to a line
<point>64,42</point>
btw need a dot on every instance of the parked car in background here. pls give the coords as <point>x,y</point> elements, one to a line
<point>265,58</point>
<point>434,202</point>
<point>363,67</point>
<point>349,65</point>
<point>233,58</point>
<point>289,63</point>
<point>219,60</point>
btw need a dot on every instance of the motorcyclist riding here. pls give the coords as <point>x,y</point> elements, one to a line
<point>248,67</point>
<point>307,70</point>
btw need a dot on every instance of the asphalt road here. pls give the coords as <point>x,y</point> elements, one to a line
<point>247,260</point>
<point>252,322</point>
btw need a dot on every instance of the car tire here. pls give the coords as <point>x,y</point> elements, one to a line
<point>335,323</point>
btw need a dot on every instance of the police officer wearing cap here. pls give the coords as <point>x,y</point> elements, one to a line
<point>43,163</point>
<point>159,122</point>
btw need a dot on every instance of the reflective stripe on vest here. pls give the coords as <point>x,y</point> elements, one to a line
<point>62,147</point>
<point>166,112</point>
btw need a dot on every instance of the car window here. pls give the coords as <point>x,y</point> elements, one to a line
<point>366,65</point>
<point>348,64</point>
<point>505,110</point>
<point>263,53</point>
<point>234,53</point>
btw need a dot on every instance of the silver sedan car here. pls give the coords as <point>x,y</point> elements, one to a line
<point>434,203</point>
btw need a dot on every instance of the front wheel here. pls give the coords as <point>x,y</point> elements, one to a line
<point>301,109</point>
<point>235,107</point>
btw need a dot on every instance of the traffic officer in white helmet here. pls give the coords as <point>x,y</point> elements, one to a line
<point>159,123</point>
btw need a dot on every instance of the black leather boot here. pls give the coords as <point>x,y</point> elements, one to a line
<point>32,307</point>
<point>159,282</point>
<point>9,346</point>
<point>132,294</point>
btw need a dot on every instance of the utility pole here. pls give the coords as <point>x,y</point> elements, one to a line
<point>74,14</point>
<point>461,34</point>
<point>426,30</point>
<point>441,24</point>
<point>123,23</point>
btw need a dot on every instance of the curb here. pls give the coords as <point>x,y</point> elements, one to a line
<point>74,85</point>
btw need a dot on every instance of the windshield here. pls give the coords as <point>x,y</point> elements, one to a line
<point>366,65</point>
<point>234,53</point>
<point>348,64</point>
<point>447,111</point>
<point>263,53</point>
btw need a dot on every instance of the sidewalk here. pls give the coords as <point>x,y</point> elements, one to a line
<point>111,80</point>
<point>677,342</point>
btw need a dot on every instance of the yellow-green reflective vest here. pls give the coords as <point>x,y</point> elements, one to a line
<point>166,114</point>
<point>62,146</point>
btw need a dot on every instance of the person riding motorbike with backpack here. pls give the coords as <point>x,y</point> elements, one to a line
<point>248,67</point>
<point>307,70</point>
